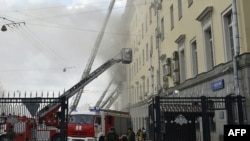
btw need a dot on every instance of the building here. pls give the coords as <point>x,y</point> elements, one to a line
<point>186,48</point>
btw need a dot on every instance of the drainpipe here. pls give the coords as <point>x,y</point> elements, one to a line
<point>157,7</point>
<point>235,62</point>
<point>236,48</point>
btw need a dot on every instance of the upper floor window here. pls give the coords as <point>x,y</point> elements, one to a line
<point>194,58</point>
<point>190,2</point>
<point>151,46</point>
<point>147,52</point>
<point>172,16</point>
<point>182,57</point>
<point>209,48</point>
<point>162,29</point>
<point>143,57</point>
<point>228,34</point>
<point>206,23</point>
<point>150,15</point>
<point>142,31</point>
<point>180,9</point>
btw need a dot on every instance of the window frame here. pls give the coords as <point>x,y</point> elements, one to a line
<point>227,35</point>
<point>194,57</point>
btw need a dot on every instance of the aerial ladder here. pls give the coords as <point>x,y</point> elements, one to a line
<point>48,113</point>
<point>87,70</point>
<point>103,95</point>
<point>110,99</point>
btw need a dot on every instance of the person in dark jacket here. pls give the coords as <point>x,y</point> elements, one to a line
<point>131,134</point>
<point>144,135</point>
<point>112,135</point>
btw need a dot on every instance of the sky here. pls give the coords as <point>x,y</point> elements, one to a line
<point>49,48</point>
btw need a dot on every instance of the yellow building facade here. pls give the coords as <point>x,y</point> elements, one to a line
<point>183,48</point>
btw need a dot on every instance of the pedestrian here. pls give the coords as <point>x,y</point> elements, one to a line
<point>139,135</point>
<point>131,134</point>
<point>144,135</point>
<point>112,135</point>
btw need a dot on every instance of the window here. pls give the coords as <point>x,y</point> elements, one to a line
<point>180,9</point>
<point>134,68</point>
<point>209,49</point>
<point>158,80</point>
<point>142,31</point>
<point>132,96</point>
<point>162,29</point>
<point>194,58</point>
<point>136,21</point>
<point>172,17</point>
<point>206,23</point>
<point>140,62</point>
<point>143,87</point>
<point>137,65</point>
<point>98,120</point>
<point>182,62</point>
<point>147,85</point>
<point>228,34</point>
<point>143,57</point>
<point>151,46</point>
<point>86,119</point>
<point>150,15</point>
<point>131,71</point>
<point>190,2</point>
<point>140,93</point>
<point>147,52</point>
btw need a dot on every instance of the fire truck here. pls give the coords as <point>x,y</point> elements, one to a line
<point>49,124</point>
<point>93,125</point>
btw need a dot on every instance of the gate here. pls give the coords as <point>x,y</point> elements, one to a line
<point>175,118</point>
<point>20,120</point>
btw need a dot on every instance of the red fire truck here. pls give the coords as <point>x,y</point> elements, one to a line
<point>94,125</point>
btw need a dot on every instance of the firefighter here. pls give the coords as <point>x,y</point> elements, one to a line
<point>131,134</point>
<point>112,135</point>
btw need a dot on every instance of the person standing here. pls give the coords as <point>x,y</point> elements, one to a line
<point>144,135</point>
<point>131,134</point>
<point>139,135</point>
<point>112,135</point>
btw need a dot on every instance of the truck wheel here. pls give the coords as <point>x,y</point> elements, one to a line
<point>56,137</point>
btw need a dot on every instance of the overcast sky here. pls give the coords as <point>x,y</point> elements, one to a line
<point>57,34</point>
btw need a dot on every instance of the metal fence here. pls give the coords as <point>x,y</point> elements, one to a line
<point>166,112</point>
<point>20,116</point>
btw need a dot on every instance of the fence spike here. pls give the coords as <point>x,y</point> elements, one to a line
<point>8,94</point>
<point>25,94</point>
